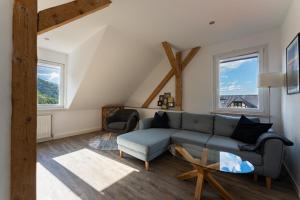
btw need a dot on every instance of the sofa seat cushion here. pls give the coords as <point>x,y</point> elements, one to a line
<point>146,141</point>
<point>190,137</point>
<point>227,144</point>
<point>117,125</point>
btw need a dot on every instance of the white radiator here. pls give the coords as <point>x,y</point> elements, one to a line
<point>44,126</point>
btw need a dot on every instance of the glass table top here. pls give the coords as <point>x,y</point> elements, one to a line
<point>213,160</point>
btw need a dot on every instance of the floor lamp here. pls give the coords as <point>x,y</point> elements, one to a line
<point>270,80</point>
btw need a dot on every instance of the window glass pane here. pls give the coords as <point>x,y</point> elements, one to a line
<point>48,84</point>
<point>238,82</point>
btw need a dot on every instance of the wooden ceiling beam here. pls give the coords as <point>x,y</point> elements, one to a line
<point>57,16</point>
<point>190,56</point>
<point>170,55</point>
<point>177,67</point>
<point>159,87</point>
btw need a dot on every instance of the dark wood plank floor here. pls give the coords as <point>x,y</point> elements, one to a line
<point>69,169</point>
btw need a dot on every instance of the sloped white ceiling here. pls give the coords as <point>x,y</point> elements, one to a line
<point>185,23</point>
<point>112,51</point>
<point>119,65</point>
<point>79,63</point>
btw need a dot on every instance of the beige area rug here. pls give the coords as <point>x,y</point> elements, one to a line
<point>104,142</point>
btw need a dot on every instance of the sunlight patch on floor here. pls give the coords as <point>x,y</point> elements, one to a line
<point>96,170</point>
<point>50,188</point>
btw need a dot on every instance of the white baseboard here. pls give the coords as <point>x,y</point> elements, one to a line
<point>74,133</point>
<point>70,134</point>
<point>296,186</point>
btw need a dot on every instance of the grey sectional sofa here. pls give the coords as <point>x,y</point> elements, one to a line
<point>195,131</point>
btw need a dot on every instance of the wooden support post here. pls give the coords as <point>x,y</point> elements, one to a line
<point>24,101</point>
<point>26,25</point>
<point>176,65</point>
<point>59,15</point>
<point>178,80</point>
<point>176,70</point>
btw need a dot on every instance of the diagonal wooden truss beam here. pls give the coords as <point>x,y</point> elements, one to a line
<point>170,55</point>
<point>57,16</point>
<point>190,57</point>
<point>171,73</point>
<point>158,88</point>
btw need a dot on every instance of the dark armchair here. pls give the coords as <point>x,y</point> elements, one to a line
<point>122,121</point>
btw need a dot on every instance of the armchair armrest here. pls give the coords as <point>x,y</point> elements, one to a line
<point>145,123</point>
<point>131,123</point>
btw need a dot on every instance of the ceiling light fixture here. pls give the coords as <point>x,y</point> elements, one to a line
<point>212,22</point>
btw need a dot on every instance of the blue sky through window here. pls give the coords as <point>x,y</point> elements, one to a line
<point>50,74</point>
<point>239,77</point>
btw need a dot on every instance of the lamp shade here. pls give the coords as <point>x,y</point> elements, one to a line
<point>273,79</point>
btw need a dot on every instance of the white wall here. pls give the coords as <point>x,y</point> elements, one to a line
<point>291,103</point>
<point>68,122</point>
<point>5,89</point>
<point>198,76</point>
<point>147,86</point>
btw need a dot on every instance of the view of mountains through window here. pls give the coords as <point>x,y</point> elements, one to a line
<point>238,82</point>
<point>48,84</point>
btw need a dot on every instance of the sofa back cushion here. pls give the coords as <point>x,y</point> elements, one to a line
<point>198,122</point>
<point>225,125</point>
<point>174,119</point>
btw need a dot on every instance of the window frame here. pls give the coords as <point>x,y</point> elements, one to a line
<point>262,52</point>
<point>61,104</point>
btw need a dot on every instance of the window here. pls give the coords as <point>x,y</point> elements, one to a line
<point>236,80</point>
<point>50,87</point>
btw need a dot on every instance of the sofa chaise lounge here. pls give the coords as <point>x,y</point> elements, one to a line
<point>195,131</point>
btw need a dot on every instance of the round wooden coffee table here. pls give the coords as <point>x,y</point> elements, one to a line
<point>211,161</point>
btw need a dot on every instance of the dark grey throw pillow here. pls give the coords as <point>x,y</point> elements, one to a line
<point>248,131</point>
<point>160,121</point>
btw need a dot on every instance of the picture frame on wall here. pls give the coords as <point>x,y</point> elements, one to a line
<point>167,94</point>
<point>159,103</point>
<point>171,104</point>
<point>292,66</point>
<point>161,97</point>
